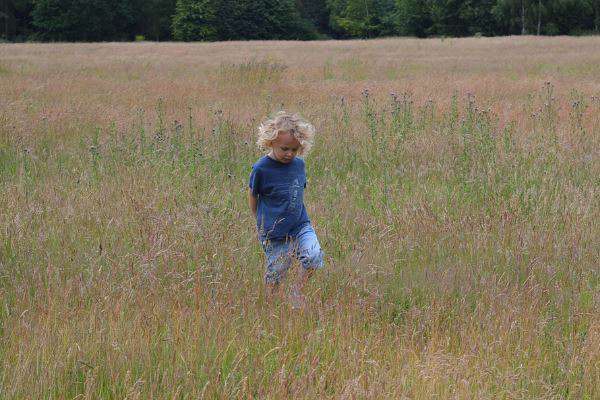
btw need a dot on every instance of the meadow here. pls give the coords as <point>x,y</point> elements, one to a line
<point>454,185</point>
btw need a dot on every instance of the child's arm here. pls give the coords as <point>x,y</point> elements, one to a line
<point>252,202</point>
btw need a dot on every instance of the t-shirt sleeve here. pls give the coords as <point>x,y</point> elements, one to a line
<point>255,181</point>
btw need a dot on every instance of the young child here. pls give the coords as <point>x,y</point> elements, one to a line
<point>276,198</point>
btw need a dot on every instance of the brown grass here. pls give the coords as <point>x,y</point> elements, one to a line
<point>460,221</point>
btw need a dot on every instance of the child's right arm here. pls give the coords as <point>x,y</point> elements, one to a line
<point>254,189</point>
<point>252,202</point>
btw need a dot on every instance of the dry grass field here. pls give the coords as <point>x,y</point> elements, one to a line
<point>454,186</point>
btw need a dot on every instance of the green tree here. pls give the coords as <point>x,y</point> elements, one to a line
<point>572,17</point>
<point>15,19</point>
<point>552,17</point>
<point>154,18</point>
<point>477,17</point>
<point>595,6</point>
<point>262,19</point>
<point>8,21</point>
<point>509,16</point>
<point>239,20</point>
<point>361,18</point>
<point>445,18</point>
<point>83,20</point>
<point>283,21</point>
<point>412,18</point>
<point>195,20</point>
<point>316,12</point>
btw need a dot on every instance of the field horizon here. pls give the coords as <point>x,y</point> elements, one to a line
<point>454,186</point>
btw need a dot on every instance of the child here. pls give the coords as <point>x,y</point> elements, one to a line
<point>276,198</point>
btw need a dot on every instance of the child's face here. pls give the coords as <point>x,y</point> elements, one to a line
<point>285,147</point>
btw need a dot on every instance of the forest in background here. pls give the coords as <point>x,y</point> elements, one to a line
<point>216,20</point>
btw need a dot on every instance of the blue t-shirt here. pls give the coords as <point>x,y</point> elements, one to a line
<point>279,188</point>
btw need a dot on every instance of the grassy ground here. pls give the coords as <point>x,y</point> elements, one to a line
<point>454,186</point>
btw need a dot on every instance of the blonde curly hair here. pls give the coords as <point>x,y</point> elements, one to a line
<point>282,122</point>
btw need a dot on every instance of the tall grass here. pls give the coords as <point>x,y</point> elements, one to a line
<point>461,231</point>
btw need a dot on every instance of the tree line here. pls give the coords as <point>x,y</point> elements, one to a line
<point>210,20</point>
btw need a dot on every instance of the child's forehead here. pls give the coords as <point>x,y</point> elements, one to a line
<point>286,139</point>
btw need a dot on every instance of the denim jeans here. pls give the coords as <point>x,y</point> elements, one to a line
<point>304,248</point>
